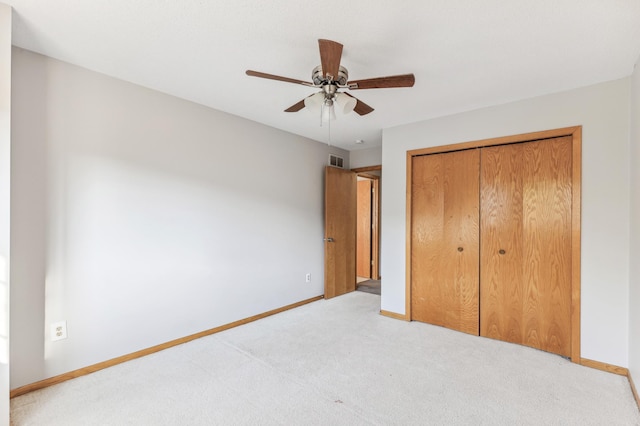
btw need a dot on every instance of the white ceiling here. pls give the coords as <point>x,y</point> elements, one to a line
<point>465,54</point>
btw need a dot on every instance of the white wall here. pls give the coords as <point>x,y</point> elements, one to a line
<point>5,204</point>
<point>366,157</point>
<point>603,111</point>
<point>145,218</point>
<point>634,253</point>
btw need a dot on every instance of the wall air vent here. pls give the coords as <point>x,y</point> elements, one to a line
<point>336,161</point>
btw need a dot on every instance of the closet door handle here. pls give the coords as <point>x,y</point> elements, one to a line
<point>501,251</point>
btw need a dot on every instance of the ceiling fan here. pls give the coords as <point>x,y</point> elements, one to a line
<point>330,76</point>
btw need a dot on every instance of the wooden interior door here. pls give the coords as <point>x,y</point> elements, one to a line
<point>340,232</point>
<point>526,199</point>
<point>363,234</point>
<point>444,240</point>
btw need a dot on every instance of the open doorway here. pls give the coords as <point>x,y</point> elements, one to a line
<point>368,229</point>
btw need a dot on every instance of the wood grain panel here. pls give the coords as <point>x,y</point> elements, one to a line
<point>363,234</point>
<point>340,227</point>
<point>427,238</point>
<point>525,230</point>
<point>547,240</point>
<point>444,240</point>
<point>501,243</point>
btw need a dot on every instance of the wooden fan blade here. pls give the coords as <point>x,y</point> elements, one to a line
<point>275,77</point>
<point>404,80</point>
<point>295,107</point>
<point>361,108</point>
<point>330,54</point>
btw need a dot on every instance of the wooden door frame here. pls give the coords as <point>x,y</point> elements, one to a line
<point>575,133</point>
<point>375,216</point>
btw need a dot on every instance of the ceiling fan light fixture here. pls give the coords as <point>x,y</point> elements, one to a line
<point>345,103</point>
<point>314,102</point>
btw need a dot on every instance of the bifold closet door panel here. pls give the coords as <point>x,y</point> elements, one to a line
<point>501,248</point>
<point>444,240</point>
<point>525,227</point>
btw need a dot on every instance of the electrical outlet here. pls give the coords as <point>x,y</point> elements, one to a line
<point>307,278</point>
<point>58,330</point>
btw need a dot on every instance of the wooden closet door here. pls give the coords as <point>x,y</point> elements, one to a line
<point>525,227</point>
<point>444,240</point>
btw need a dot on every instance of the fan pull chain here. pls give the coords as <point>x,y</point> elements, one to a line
<point>329,131</point>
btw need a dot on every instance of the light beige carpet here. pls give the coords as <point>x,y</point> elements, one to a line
<point>337,362</point>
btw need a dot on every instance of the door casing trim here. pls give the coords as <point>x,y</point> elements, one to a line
<point>375,233</point>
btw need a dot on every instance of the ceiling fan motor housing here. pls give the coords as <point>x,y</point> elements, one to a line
<point>317,76</point>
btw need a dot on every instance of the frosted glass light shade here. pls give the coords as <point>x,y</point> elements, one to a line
<point>314,102</point>
<point>345,103</point>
